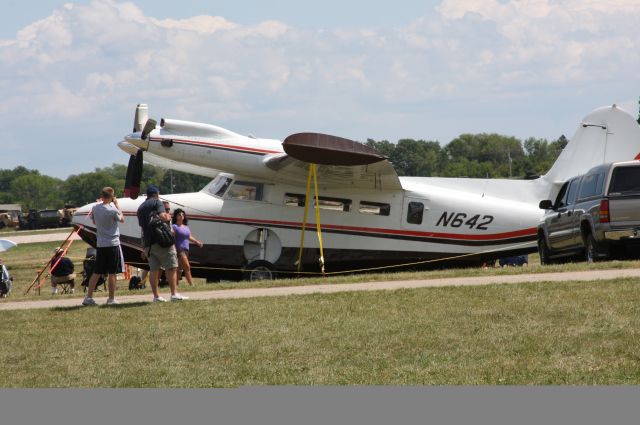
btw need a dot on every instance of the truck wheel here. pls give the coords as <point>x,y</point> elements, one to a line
<point>543,250</point>
<point>259,270</point>
<point>591,250</point>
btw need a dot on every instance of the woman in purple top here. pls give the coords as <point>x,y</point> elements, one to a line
<point>183,237</point>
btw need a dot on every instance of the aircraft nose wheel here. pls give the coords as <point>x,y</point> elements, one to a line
<point>259,270</point>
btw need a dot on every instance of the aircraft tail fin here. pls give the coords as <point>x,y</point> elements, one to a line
<point>607,134</point>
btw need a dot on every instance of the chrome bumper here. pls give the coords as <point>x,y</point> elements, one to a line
<point>616,235</point>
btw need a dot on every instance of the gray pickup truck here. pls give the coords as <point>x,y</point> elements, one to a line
<point>595,216</point>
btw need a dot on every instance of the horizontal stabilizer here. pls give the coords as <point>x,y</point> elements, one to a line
<point>329,150</point>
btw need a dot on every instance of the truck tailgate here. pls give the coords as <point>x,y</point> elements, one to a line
<point>624,211</point>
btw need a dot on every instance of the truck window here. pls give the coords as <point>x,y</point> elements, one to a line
<point>572,192</point>
<point>625,181</point>
<point>561,199</point>
<point>591,185</point>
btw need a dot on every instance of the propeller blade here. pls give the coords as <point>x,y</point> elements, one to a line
<point>148,127</point>
<point>134,176</point>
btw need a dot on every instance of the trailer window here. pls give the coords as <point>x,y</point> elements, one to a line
<point>375,208</point>
<point>414,212</point>
<point>325,203</point>
<point>247,191</point>
<point>625,181</point>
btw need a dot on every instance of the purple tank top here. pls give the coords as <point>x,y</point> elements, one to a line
<point>182,237</point>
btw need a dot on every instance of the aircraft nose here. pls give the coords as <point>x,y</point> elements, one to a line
<point>135,140</point>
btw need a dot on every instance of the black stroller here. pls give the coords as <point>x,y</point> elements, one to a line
<point>87,270</point>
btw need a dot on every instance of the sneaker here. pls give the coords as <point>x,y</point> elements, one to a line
<point>112,301</point>
<point>178,297</point>
<point>159,300</point>
<point>88,301</point>
<point>72,290</point>
<point>54,291</point>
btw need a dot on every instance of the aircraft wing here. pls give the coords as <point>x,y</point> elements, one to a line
<point>376,176</point>
<point>341,163</point>
<point>169,163</point>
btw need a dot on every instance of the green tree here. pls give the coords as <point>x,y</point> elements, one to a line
<point>81,189</point>
<point>488,155</point>
<point>6,177</point>
<point>385,147</point>
<point>37,192</point>
<point>417,157</point>
<point>182,182</point>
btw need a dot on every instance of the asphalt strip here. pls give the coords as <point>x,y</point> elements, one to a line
<point>588,275</point>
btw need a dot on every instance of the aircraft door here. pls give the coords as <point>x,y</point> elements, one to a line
<point>413,213</point>
<point>262,244</point>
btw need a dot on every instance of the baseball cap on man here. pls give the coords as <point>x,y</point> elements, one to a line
<point>152,190</point>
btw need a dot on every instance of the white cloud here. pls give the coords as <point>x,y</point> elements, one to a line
<point>90,59</point>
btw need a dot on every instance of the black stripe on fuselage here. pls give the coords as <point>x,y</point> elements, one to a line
<point>425,239</point>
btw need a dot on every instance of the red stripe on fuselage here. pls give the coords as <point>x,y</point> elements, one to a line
<point>217,145</point>
<point>372,230</point>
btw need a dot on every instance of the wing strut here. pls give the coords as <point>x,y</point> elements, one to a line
<point>312,172</point>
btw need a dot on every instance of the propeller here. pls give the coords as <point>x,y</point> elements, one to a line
<point>134,176</point>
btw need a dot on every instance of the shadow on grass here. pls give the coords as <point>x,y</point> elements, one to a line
<point>118,306</point>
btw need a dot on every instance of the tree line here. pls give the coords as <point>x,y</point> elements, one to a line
<point>472,155</point>
<point>36,191</point>
<point>469,155</point>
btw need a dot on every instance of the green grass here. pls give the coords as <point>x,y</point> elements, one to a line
<point>584,333</point>
<point>26,260</point>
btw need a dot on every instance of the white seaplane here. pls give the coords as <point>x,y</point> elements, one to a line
<point>250,216</point>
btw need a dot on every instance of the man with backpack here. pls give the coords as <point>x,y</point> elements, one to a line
<point>152,214</point>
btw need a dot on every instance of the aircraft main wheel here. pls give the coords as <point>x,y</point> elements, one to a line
<point>543,250</point>
<point>259,270</point>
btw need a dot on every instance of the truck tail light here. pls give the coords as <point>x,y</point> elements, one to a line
<point>604,211</point>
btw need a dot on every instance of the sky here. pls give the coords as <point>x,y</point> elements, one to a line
<point>71,73</point>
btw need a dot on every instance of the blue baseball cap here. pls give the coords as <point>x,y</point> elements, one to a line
<point>153,190</point>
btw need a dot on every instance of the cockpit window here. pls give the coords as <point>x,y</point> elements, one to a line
<point>248,191</point>
<point>220,186</point>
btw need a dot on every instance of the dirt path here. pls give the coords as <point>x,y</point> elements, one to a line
<point>45,237</point>
<point>346,287</point>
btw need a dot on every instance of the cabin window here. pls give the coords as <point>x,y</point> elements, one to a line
<point>414,212</point>
<point>293,200</point>
<point>247,191</point>
<point>375,208</point>
<point>220,186</point>
<point>325,203</point>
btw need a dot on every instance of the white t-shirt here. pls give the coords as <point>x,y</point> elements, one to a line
<point>106,219</point>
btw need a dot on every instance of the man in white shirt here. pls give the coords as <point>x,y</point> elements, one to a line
<point>109,261</point>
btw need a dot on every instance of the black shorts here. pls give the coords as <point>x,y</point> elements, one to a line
<point>109,260</point>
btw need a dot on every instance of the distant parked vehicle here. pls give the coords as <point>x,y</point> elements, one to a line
<point>8,219</point>
<point>42,219</point>
<point>596,216</point>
